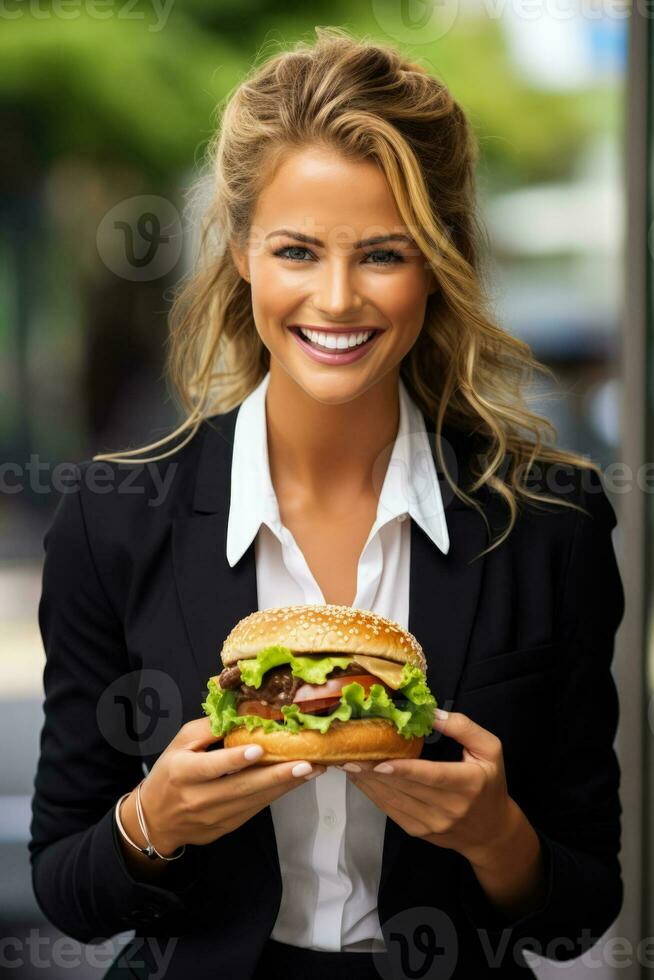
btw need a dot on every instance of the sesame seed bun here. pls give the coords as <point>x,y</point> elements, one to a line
<point>323,629</point>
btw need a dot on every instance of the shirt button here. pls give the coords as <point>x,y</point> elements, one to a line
<point>401,517</point>
<point>330,819</point>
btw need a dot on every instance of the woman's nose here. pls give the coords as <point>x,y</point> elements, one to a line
<point>337,292</point>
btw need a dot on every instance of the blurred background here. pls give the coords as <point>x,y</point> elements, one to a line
<point>104,114</point>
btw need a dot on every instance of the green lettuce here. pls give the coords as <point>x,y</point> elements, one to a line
<point>412,716</point>
<point>313,670</point>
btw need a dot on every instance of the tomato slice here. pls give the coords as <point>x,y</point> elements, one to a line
<point>261,709</point>
<point>334,686</point>
<point>264,710</point>
<point>318,704</point>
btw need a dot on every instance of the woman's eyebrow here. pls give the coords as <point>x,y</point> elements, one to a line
<point>376,240</point>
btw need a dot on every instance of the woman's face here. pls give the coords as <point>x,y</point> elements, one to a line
<point>310,262</point>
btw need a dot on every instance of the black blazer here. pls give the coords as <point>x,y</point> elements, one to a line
<point>521,640</point>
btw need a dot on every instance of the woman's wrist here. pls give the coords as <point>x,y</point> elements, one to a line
<point>165,843</point>
<point>130,822</point>
<point>512,872</point>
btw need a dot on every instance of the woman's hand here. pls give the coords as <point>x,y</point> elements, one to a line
<point>461,805</point>
<point>194,797</point>
<point>465,806</point>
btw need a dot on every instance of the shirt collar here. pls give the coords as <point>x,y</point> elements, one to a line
<point>410,484</point>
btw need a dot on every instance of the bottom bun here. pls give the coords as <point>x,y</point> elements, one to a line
<point>344,741</point>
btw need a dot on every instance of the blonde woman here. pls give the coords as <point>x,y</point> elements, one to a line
<point>356,432</point>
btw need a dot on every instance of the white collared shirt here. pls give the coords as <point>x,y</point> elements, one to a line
<point>329,834</point>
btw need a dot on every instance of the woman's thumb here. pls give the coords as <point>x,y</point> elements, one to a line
<point>196,734</point>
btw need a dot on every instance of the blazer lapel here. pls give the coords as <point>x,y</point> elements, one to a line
<point>213,596</point>
<point>443,596</point>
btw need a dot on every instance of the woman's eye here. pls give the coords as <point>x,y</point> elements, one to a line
<point>390,256</point>
<point>291,248</point>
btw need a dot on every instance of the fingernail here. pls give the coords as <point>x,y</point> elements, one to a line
<point>441,713</point>
<point>253,752</point>
<point>383,767</point>
<point>301,769</point>
<point>351,767</point>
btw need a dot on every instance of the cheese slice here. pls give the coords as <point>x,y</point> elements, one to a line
<point>388,672</point>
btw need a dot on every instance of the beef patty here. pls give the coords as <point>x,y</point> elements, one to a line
<point>278,687</point>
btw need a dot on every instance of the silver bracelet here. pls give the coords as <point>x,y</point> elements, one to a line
<point>149,850</point>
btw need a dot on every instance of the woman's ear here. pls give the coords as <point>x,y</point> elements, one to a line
<point>240,260</point>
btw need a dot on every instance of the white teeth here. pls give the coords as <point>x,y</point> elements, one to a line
<point>339,341</point>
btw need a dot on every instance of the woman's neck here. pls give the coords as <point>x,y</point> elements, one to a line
<point>331,449</point>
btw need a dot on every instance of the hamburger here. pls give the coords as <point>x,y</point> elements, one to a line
<point>326,683</point>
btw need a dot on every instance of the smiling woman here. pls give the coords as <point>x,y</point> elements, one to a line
<point>305,193</point>
<point>340,299</point>
<point>356,428</point>
<point>345,204</point>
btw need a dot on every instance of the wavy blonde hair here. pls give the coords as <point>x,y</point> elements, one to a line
<point>367,101</point>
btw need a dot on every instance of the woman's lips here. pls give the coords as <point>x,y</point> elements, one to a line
<point>332,330</point>
<point>345,356</point>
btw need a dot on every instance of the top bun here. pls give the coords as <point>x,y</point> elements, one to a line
<point>322,629</point>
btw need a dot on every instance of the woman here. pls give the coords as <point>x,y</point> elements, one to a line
<point>375,478</point>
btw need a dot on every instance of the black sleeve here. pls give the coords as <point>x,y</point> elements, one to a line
<point>79,875</point>
<point>579,815</point>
